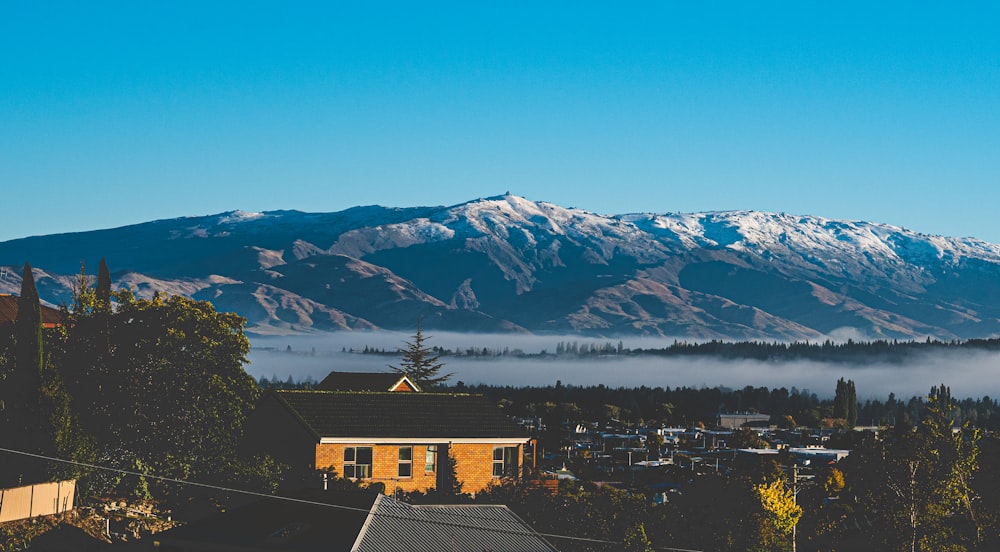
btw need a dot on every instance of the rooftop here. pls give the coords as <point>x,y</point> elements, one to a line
<point>405,415</point>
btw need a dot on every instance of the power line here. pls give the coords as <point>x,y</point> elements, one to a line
<point>327,505</point>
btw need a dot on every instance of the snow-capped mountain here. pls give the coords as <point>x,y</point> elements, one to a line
<point>510,264</point>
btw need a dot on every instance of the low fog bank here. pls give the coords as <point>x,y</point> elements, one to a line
<point>968,373</point>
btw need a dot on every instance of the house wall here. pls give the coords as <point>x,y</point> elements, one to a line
<point>385,465</point>
<point>473,465</point>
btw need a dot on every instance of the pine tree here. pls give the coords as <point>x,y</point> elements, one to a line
<point>419,363</point>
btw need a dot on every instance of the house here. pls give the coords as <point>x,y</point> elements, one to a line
<point>738,419</point>
<point>368,381</point>
<point>8,312</point>
<point>399,439</point>
<point>354,522</point>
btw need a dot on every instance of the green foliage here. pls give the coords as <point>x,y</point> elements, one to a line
<point>102,293</point>
<point>159,382</point>
<point>845,402</point>
<point>28,328</point>
<point>37,416</point>
<point>636,539</point>
<point>746,437</point>
<point>419,362</point>
<point>916,482</point>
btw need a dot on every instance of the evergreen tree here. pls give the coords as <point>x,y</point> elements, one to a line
<point>845,402</point>
<point>40,419</point>
<point>103,289</point>
<point>28,352</point>
<point>419,362</point>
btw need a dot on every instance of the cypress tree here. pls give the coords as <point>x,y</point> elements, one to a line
<point>28,329</point>
<point>103,290</point>
<point>22,409</point>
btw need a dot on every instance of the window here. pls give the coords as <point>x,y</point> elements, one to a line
<point>358,462</point>
<point>504,461</point>
<point>430,460</point>
<point>405,462</point>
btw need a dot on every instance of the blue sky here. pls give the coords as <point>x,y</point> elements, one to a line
<point>114,113</point>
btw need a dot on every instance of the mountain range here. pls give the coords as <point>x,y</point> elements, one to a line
<point>509,264</point>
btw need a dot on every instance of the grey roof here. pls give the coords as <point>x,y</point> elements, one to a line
<point>357,522</point>
<point>404,415</point>
<point>394,526</point>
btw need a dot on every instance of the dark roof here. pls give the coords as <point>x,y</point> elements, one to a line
<point>8,312</point>
<point>359,381</point>
<point>411,415</point>
<point>283,525</point>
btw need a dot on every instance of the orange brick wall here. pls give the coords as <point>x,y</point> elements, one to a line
<point>385,465</point>
<point>473,465</point>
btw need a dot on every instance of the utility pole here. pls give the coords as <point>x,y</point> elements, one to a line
<point>795,498</point>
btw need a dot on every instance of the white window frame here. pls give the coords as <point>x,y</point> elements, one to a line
<point>405,462</point>
<point>352,465</point>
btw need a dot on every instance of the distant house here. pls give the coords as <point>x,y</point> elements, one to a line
<point>367,381</point>
<point>354,522</point>
<point>739,419</point>
<point>399,439</point>
<point>8,312</point>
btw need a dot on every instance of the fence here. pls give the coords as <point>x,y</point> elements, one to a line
<point>44,499</point>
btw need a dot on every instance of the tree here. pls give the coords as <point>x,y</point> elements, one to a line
<point>419,362</point>
<point>103,290</point>
<point>834,482</point>
<point>845,402</point>
<point>916,481</point>
<point>160,382</point>
<point>780,509</point>
<point>746,437</point>
<point>28,347</point>
<point>636,539</point>
<point>38,417</point>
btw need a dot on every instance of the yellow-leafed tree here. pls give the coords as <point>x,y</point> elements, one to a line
<point>779,505</point>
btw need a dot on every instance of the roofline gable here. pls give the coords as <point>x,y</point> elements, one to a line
<point>405,379</point>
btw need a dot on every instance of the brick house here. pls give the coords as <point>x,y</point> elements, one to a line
<point>8,312</point>
<point>398,439</point>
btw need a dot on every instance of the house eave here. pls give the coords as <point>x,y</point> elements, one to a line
<point>423,440</point>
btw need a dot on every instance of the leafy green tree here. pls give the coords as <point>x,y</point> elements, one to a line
<point>916,482</point>
<point>419,362</point>
<point>159,382</point>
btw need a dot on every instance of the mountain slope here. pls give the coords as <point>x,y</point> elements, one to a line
<point>510,264</point>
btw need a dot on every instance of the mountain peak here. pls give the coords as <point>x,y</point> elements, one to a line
<point>508,263</point>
